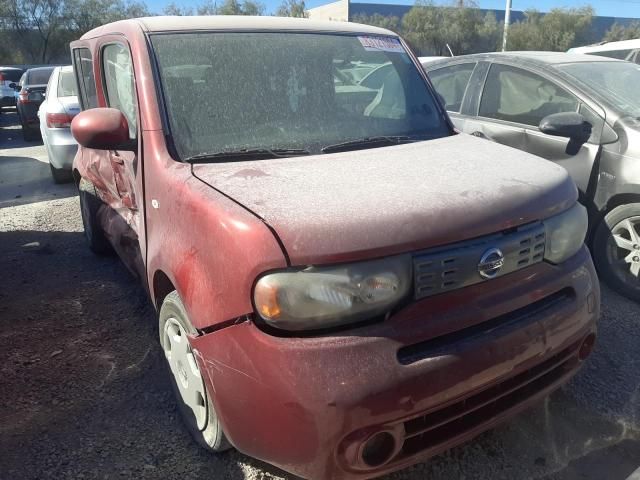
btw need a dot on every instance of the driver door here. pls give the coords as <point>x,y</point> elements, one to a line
<point>513,103</point>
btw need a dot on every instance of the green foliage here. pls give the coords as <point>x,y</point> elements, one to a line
<point>619,32</point>
<point>39,31</point>
<point>463,27</point>
<point>377,20</point>
<point>292,8</point>
<point>558,30</point>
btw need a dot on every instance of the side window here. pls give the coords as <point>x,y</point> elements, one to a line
<point>619,54</point>
<point>451,83</point>
<point>119,84</point>
<point>519,96</point>
<point>83,66</point>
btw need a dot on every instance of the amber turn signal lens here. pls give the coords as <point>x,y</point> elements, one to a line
<point>266,298</point>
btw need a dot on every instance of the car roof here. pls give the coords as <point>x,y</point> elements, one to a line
<point>239,22</point>
<point>40,68</point>
<point>539,58</point>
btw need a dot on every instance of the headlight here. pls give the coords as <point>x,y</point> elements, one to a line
<point>321,297</point>
<point>565,233</point>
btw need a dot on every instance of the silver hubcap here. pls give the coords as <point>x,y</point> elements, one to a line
<point>626,236</point>
<point>185,370</point>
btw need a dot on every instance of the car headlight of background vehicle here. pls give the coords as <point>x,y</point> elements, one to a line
<point>565,233</point>
<point>321,297</point>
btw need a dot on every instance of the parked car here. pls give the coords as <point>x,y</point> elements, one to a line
<point>579,111</point>
<point>623,50</point>
<point>344,288</point>
<point>33,85</point>
<point>56,112</point>
<point>8,77</point>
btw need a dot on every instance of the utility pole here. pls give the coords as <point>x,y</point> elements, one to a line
<point>507,19</point>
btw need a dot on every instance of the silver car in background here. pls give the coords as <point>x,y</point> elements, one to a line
<point>56,112</point>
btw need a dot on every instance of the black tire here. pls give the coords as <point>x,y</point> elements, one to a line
<point>609,257</point>
<point>60,175</point>
<point>211,435</point>
<point>28,134</point>
<point>90,203</point>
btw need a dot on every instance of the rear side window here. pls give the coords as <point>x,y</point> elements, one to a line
<point>119,84</point>
<point>66,84</point>
<point>11,75</point>
<point>619,54</point>
<point>519,96</point>
<point>83,66</point>
<point>39,77</point>
<point>451,83</point>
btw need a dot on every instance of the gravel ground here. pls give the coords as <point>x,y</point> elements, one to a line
<point>84,393</point>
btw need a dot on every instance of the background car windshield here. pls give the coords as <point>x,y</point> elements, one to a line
<point>39,76</point>
<point>228,91</point>
<point>66,85</point>
<point>616,82</point>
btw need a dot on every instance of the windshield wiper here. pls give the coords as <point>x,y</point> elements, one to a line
<point>366,142</point>
<point>247,154</point>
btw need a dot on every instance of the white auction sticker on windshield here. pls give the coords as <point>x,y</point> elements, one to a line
<point>384,44</point>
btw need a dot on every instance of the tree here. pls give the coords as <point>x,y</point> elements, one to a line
<point>461,26</point>
<point>390,23</point>
<point>36,21</point>
<point>558,30</point>
<point>292,8</point>
<point>619,32</point>
<point>176,10</point>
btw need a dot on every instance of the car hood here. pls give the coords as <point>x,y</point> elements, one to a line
<point>370,203</point>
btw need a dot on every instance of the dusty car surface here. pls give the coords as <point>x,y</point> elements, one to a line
<point>580,111</point>
<point>345,285</point>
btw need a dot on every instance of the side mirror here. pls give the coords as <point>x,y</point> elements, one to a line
<point>102,129</point>
<point>571,125</point>
<point>14,86</point>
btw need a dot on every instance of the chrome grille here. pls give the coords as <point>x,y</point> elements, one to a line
<point>455,266</point>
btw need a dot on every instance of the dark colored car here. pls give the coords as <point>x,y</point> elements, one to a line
<point>33,86</point>
<point>345,285</point>
<point>580,111</point>
<point>8,77</point>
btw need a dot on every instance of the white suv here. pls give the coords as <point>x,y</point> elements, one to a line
<point>8,75</point>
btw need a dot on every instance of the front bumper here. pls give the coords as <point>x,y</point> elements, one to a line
<point>435,374</point>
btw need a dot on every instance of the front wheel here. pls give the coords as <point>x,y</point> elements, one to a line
<point>616,249</point>
<point>189,388</point>
<point>60,175</point>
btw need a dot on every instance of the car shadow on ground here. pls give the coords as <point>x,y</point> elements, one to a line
<point>28,180</point>
<point>85,391</point>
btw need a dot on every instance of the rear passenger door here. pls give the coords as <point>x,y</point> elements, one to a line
<point>512,104</point>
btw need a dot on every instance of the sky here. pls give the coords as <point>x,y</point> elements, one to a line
<point>608,8</point>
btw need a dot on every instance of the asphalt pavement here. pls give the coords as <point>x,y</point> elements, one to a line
<point>84,392</point>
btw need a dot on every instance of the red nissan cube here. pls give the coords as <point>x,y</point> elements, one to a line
<point>345,285</point>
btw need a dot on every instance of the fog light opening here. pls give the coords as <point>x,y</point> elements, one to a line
<point>378,449</point>
<point>587,346</point>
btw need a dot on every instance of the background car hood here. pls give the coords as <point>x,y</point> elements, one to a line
<point>370,203</point>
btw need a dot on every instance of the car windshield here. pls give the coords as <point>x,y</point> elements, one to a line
<point>616,82</point>
<point>66,85</point>
<point>297,92</point>
<point>39,76</point>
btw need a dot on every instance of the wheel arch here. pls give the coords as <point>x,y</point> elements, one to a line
<point>614,202</point>
<point>162,286</point>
